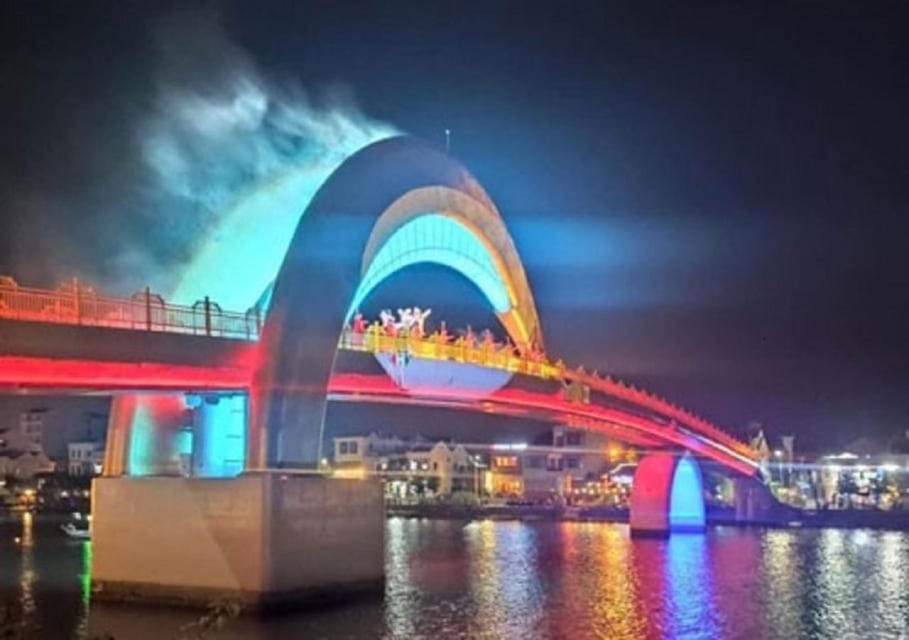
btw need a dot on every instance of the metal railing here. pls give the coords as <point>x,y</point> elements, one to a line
<point>76,304</point>
<point>577,383</point>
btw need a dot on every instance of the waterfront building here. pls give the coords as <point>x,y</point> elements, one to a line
<point>565,464</point>
<point>21,447</point>
<point>410,468</point>
<point>450,465</point>
<point>84,458</point>
<point>572,463</point>
<point>849,480</point>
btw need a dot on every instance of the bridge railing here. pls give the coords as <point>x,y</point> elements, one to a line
<point>439,347</point>
<point>76,304</point>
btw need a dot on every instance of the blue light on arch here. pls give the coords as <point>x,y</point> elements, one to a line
<point>438,239</point>
<point>433,238</point>
<point>686,498</point>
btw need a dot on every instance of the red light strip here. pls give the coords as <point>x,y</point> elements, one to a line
<point>551,405</point>
<point>27,373</point>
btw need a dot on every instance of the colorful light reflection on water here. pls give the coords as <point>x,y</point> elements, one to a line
<point>451,579</point>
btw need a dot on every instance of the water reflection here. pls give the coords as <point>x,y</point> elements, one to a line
<point>399,613</point>
<point>689,593</point>
<point>784,576</point>
<point>27,575</point>
<point>85,587</point>
<point>533,580</point>
<point>505,573</point>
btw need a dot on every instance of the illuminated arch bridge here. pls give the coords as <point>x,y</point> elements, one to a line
<point>393,204</point>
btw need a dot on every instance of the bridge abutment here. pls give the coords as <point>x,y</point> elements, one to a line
<point>667,496</point>
<point>756,504</point>
<point>262,540</point>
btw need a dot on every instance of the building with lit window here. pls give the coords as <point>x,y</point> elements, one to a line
<point>572,462</point>
<point>84,458</point>
<point>411,468</point>
<point>563,465</point>
<point>21,446</point>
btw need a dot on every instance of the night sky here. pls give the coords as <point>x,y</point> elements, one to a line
<point>708,201</point>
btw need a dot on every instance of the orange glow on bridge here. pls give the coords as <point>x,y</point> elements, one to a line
<point>640,416</point>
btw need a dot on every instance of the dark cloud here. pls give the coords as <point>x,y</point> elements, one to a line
<point>151,172</point>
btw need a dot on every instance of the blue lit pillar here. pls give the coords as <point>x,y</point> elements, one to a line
<point>667,496</point>
<point>218,445</point>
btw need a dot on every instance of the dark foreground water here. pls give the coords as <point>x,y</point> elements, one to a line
<point>527,580</point>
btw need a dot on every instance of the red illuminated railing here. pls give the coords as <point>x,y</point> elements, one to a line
<point>579,383</point>
<point>77,304</point>
<point>74,303</point>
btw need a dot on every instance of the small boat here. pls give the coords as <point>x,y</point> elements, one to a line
<point>79,528</point>
<point>75,532</point>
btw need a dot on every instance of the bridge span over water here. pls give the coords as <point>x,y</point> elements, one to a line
<point>395,203</point>
<point>114,347</point>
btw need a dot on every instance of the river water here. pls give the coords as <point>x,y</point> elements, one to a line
<point>448,579</point>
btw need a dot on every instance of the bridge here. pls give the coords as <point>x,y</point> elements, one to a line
<point>395,203</point>
<point>577,397</point>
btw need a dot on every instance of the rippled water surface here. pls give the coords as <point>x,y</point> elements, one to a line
<point>529,580</point>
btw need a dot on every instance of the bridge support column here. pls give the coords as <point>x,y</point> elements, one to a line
<point>667,496</point>
<point>262,539</point>
<point>755,504</point>
<point>144,435</point>
<point>285,429</point>
<point>218,434</point>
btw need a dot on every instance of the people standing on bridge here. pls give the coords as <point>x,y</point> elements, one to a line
<point>488,341</point>
<point>388,322</point>
<point>372,335</point>
<point>419,320</point>
<point>359,323</point>
<point>358,329</point>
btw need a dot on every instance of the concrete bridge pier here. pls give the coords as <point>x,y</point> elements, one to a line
<point>667,496</point>
<point>264,540</point>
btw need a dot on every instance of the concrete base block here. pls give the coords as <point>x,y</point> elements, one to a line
<point>263,540</point>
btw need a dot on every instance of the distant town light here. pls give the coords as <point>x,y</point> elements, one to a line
<point>510,446</point>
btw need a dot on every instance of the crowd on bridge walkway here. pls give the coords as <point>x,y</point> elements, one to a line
<point>407,335</point>
<point>411,324</point>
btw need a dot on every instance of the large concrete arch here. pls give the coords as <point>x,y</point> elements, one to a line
<point>370,196</point>
<point>482,221</point>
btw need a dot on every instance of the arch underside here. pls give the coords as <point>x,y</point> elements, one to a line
<point>438,239</point>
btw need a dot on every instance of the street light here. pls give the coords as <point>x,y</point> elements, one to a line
<point>778,454</point>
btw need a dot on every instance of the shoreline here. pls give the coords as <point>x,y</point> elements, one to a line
<point>841,519</point>
<point>831,519</point>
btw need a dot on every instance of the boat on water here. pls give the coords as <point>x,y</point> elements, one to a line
<point>78,528</point>
<point>75,532</point>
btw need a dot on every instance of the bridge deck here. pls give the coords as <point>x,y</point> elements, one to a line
<point>70,341</point>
